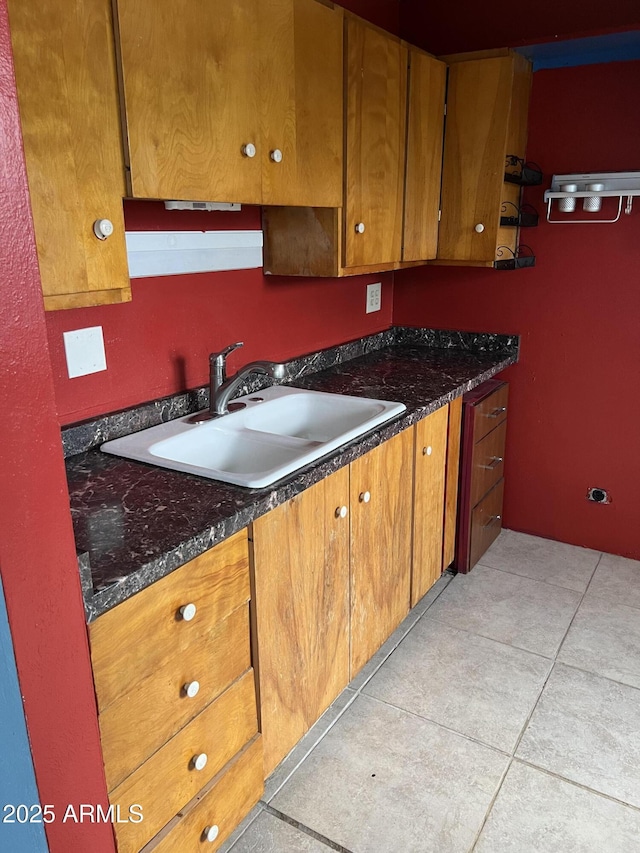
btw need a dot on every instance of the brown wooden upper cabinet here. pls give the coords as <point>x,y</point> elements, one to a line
<point>487,103</point>
<point>393,141</point>
<point>376,75</point>
<point>68,99</point>
<point>425,120</point>
<point>237,100</point>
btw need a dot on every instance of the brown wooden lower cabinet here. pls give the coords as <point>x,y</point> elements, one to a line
<point>482,471</point>
<point>301,611</point>
<point>218,809</point>
<point>328,576</point>
<point>435,496</point>
<point>430,460</point>
<point>381,523</point>
<point>177,704</point>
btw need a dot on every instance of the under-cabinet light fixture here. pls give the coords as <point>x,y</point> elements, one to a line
<point>202,205</point>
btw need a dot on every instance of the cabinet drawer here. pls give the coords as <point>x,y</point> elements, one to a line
<point>487,462</point>
<point>224,804</point>
<point>490,412</point>
<point>167,781</point>
<point>139,722</point>
<point>486,522</point>
<point>138,636</point>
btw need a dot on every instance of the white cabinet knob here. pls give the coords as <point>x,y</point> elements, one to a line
<point>199,762</point>
<point>427,451</point>
<point>249,150</point>
<point>341,512</point>
<point>479,228</point>
<point>188,612</point>
<point>276,155</point>
<point>191,689</point>
<point>103,228</point>
<point>210,833</point>
<point>360,229</point>
<point>364,497</point>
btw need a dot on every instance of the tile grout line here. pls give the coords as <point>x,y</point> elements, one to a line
<point>598,675</point>
<point>577,784</point>
<point>478,742</point>
<point>296,824</point>
<point>539,580</point>
<point>491,805</point>
<point>492,639</point>
<point>554,660</point>
<point>535,705</point>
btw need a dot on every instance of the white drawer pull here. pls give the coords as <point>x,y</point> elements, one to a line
<point>341,512</point>
<point>188,612</point>
<point>479,228</point>
<point>249,150</point>
<point>199,762</point>
<point>191,689</point>
<point>211,833</point>
<point>364,497</point>
<point>427,451</point>
<point>360,228</point>
<point>276,155</point>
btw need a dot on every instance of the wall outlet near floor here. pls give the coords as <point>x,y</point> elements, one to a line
<point>84,349</point>
<point>374,297</point>
<point>598,496</point>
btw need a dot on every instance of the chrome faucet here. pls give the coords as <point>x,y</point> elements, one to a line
<point>222,387</point>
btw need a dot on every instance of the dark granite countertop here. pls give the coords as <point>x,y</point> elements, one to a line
<point>135,523</point>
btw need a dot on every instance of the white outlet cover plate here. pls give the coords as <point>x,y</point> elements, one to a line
<point>374,297</point>
<point>84,349</point>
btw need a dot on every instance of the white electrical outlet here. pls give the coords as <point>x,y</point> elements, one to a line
<point>374,297</point>
<point>84,349</point>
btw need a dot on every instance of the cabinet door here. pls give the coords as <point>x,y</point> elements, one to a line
<point>427,79</point>
<point>301,102</point>
<point>189,75</point>
<point>68,96</point>
<point>301,600</point>
<point>429,498</point>
<point>381,495</point>
<point>478,104</point>
<point>376,119</point>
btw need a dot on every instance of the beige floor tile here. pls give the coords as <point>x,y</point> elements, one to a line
<point>587,729</point>
<point>525,613</point>
<point>385,781</point>
<point>605,638</point>
<point>306,743</point>
<point>557,563</point>
<point>538,813</point>
<point>617,579</point>
<point>268,834</point>
<point>478,687</point>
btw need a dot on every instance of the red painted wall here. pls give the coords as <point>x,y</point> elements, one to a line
<point>575,414</point>
<point>467,25</point>
<point>159,342</point>
<point>37,552</point>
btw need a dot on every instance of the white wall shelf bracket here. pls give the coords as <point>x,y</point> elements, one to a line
<point>618,185</point>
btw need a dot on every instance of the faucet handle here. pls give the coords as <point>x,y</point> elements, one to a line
<point>218,363</point>
<point>226,351</point>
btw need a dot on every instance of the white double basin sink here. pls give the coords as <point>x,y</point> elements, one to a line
<point>278,431</point>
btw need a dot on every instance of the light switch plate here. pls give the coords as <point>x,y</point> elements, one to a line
<point>374,297</point>
<point>84,349</point>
